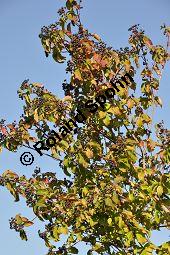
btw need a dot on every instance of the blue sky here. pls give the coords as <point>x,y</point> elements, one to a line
<point>22,57</point>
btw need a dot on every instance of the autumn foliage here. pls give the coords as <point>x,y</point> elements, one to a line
<point>116,188</point>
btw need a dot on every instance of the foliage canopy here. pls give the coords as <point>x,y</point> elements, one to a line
<point>117,184</point>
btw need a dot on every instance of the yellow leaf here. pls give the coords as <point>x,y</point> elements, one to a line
<point>10,174</point>
<point>141,176</point>
<point>127,65</point>
<point>85,191</point>
<point>102,114</point>
<point>108,201</point>
<point>106,120</point>
<point>141,239</point>
<point>160,190</point>
<point>97,37</point>
<point>67,98</point>
<point>82,160</point>
<point>63,230</point>
<point>36,115</point>
<point>115,199</point>
<point>115,110</point>
<point>28,223</point>
<point>109,221</point>
<point>55,232</point>
<point>139,122</point>
<point>97,246</point>
<point>89,153</point>
<point>77,74</point>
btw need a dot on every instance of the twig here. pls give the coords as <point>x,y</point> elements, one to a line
<point>27,146</point>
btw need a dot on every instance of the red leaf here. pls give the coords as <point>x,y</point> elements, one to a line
<point>3,130</point>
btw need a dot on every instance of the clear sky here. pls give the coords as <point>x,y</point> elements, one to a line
<point>22,57</point>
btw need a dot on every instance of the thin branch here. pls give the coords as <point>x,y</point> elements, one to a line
<point>27,146</point>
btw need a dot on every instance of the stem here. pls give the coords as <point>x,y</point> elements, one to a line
<point>27,146</point>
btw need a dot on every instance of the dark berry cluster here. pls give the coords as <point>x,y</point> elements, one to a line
<point>67,183</point>
<point>139,110</point>
<point>61,11</point>
<point>2,181</point>
<point>70,66</point>
<point>14,225</point>
<point>24,84</point>
<point>2,121</point>
<point>163,133</point>
<point>36,172</point>
<point>42,235</point>
<point>31,198</point>
<point>2,137</point>
<point>62,250</point>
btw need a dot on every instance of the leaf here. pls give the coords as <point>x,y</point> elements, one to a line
<point>18,219</point>
<point>82,160</point>
<point>130,103</point>
<point>10,187</point>
<point>158,101</point>
<point>115,110</point>
<point>121,223</point>
<point>69,4</point>
<point>63,230</point>
<point>67,98</point>
<point>55,233</point>
<point>97,37</point>
<point>89,153</point>
<point>108,202</point>
<point>73,250</point>
<point>3,130</point>
<point>127,64</point>
<point>89,252</point>
<point>28,223</point>
<point>42,192</point>
<point>102,114</point>
<point>141,239</point>
<point>139,121</point>
<point>36,115</point>
<point>85,191</point>
<point>23,235</point>
<point>57,56</point>
<point>10,174</point>
<point>106,120</point>
<point>147,41</point>
<point>109,221</point>
<point>160,190</point>
<point>115,199</point>
<point>97,57</point>
<point>77,75</point>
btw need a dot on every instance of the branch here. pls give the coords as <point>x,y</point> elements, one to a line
<point>27,146</point>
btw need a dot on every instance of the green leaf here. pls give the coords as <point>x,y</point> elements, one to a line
<point>106,120</point>
<point>57,56</point>
<point>42,192</point>
<point>23,235</point>
<point>73,250</point>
